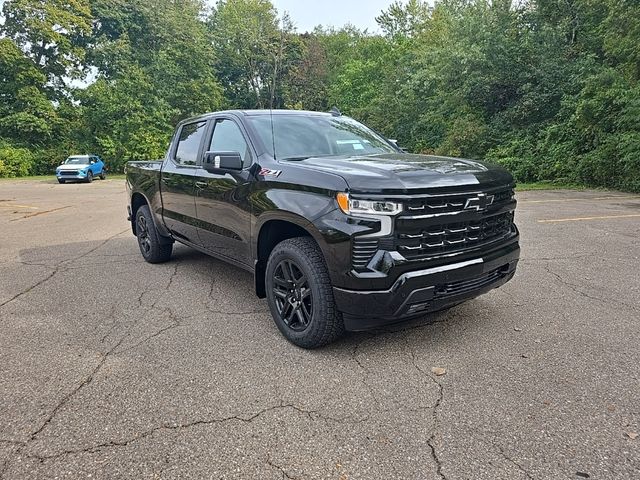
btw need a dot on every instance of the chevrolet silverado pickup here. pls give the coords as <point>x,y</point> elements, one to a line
<point>341,229</point>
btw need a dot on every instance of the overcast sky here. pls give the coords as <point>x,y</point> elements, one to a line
<point>306,14</point>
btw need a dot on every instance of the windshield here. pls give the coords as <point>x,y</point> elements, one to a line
<point>301,136</point>
<point>77,161</point>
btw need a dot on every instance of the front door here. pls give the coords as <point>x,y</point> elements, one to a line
<point>177,182</point>
<point>222,206</point>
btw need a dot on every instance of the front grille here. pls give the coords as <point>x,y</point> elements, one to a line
<point>451,237</point>
<point>68,172</point>
<point>464,286</point>
<point>435,226</point>
<point>362,251</point>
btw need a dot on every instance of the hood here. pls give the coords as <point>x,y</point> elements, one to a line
<point>402,172</point>
<point>75,166</point>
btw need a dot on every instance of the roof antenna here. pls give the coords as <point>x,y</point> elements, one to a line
<point>335,112</point>
<point>276,59</point>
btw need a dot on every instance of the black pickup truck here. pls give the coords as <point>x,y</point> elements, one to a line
<point>341,229</point>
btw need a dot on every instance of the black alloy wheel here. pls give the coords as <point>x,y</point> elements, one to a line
<point>142,232</point>
<point>154,247</point>
<point>300,294</point>
<point>89,176</point>
<point>293,297</point>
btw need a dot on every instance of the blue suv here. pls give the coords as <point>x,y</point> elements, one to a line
<point>81,167</point>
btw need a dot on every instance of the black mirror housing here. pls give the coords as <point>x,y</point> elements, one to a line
<point>214,161</point>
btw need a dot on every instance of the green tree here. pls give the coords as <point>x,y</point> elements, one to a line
<point>52,33</point>
<point>247,38</point>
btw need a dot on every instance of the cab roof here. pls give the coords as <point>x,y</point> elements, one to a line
<point>257,112</point>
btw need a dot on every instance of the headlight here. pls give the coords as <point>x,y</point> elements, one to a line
<point>352,206</point>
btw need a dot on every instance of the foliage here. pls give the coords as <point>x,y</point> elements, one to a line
<point>52,33</point>
<point>14,161</point>
<point>548,88</point>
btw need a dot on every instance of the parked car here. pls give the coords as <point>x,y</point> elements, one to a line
<point>341,229</point>
<point>81,167</point>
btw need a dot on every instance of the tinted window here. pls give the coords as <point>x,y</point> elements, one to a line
<point>189,142</point>
<point>227,137</point>
<point>317,135</point>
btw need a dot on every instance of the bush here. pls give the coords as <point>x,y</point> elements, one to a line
<point>15,161</point>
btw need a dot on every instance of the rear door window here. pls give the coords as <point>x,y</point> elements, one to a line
<point>189,143</point>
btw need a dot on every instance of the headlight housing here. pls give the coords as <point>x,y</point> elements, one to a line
<point>353,206</point>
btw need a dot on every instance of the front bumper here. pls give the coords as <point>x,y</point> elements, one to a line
<point>422,291</point>
<point>79,176</point>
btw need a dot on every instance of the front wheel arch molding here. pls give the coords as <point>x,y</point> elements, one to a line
<point>300,227</point>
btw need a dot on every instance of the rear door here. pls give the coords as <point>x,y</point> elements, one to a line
<point>224,221</point>
<point>177,181</point>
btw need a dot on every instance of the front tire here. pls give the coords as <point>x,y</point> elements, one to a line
<point>152,249</point>
<point>60,180</point>
<point>300,294</point>
<point>89,176</point>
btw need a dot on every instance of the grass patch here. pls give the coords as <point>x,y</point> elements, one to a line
<point>523,187</point>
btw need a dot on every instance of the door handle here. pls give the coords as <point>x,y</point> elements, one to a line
<point>201,184</point>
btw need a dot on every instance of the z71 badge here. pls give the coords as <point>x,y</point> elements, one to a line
<point>266,172</point>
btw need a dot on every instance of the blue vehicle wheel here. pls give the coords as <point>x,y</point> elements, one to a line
<point>89,176</point>
<point>103,174</point>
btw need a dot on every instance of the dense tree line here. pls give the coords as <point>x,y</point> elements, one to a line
<point>548,88</point>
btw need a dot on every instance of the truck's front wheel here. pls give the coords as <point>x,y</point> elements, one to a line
<point>152,249</point>
<point>300,294</point>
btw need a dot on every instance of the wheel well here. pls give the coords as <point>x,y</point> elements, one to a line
<point>137,200</point>
<point>271,234</point>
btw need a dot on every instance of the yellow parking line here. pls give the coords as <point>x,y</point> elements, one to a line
<point>18,206</point>
<point>577,219</point>
<point>620,197</point>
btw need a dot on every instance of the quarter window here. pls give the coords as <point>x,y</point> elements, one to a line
<point>189,143</point>
<point>227,137</point>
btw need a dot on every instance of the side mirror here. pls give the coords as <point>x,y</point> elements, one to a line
<point>222,161</point>
<point>395,143</point>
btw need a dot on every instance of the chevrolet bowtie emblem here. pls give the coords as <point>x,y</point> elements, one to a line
<point>479,202</point>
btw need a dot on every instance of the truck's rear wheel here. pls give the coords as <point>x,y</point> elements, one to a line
<point>300,294</point>
<point>152,249</point>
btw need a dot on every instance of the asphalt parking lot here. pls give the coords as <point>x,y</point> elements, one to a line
<point>114,368</point>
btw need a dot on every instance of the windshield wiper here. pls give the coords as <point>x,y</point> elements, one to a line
<point>293,159</point>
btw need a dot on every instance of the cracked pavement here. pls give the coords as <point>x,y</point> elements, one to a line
<point>114,368</point>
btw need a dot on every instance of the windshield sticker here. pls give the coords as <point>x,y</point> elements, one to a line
<point>357,146</point>
<point>266,172</point>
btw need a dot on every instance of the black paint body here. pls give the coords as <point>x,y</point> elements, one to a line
<point>226,213</point>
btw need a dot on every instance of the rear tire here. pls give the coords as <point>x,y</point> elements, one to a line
<point>103,175</point>
<point>149,240</point>
<point>89,176</point>
<point>300,294</point>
